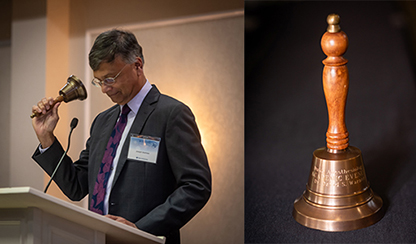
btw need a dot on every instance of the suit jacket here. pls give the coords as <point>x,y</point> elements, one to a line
<point>159,198</point>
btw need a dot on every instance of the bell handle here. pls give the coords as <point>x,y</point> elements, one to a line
<point>59,98</point>
<point>335,81</point>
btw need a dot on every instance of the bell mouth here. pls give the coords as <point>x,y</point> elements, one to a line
<point>338,196</point>
<point>73,89</point>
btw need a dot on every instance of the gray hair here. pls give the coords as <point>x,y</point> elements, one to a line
<point>113,43</point>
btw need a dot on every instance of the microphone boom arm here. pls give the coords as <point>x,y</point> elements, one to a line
<point>74,124</point>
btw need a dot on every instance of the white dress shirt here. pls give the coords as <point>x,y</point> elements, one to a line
<point>134,105</point>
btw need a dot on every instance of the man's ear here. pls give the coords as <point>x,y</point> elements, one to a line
<point>139,63</point>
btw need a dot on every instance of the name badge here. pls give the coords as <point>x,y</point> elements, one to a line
<point>143,148</point>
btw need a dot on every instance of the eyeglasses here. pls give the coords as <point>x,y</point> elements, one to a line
<point>107,81</point>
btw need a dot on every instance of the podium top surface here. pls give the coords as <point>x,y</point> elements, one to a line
<point>26,197</point>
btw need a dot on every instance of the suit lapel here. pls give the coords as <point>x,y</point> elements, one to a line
<point>145,110</point>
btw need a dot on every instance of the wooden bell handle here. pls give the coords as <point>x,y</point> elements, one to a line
<point>59,98</point>
<point>335,79</point>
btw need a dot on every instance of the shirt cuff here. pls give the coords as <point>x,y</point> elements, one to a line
<point>42,150</point>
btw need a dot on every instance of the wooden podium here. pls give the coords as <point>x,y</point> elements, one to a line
<point>30,216</point>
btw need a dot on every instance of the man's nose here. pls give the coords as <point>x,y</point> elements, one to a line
<point>105,88</point>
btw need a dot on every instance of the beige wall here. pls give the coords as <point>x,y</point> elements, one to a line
<point>5,82</point>
<point>28,62</point>
<point>186,43</point>
<point>90,14</point>
<point>5,99</point>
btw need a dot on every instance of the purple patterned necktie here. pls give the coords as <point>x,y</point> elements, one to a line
<point>97,200</point>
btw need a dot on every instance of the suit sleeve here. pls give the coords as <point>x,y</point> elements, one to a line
<point>71,178</point>
<point>192,173</point>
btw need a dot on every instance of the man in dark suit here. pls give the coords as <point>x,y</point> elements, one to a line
<point>157,189</point>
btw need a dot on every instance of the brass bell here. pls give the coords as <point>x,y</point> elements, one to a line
<point>72,90</point>
<point>338,196</point>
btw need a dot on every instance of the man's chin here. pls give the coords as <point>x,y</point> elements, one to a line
<point>118,101</point>
<point>114,99</point>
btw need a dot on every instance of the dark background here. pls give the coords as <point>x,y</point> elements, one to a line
<point>286,117</point>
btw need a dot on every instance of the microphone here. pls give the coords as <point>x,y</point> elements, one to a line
<point>74,124</point>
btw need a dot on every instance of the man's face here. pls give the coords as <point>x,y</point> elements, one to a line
<point>126,85</point>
